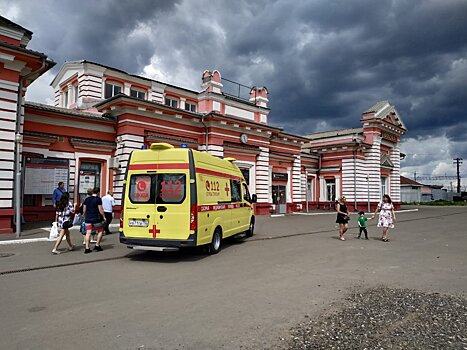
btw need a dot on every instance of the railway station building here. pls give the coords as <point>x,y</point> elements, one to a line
<point>101,114</point>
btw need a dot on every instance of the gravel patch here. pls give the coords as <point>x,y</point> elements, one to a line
<point>384,318</point>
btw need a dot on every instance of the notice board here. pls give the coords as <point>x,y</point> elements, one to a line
<point>42,175</point>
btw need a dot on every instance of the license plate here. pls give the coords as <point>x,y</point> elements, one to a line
<point>138,223</point>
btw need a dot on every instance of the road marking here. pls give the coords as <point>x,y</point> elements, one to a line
<point>26,240</point>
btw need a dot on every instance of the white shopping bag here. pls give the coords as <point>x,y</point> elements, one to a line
<point>54,231</point>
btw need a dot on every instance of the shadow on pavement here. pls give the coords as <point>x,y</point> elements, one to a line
<point>184,254</point>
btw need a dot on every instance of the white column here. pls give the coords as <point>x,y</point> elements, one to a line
<point>182,103</point>
<point>373,169</point>
<point>322,189</point>
<point>297,193</point>
<point>103,87</point>
<point>70,95</point>
<point>394,180</point>
<point>288,192</point>
<point>338,186</point>
<point>263,176</point>
<point>126,89</point>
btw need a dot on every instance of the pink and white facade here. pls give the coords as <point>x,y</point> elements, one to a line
<point>101,114</point>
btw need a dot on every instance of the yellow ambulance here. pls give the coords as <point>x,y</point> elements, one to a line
<point>179,197</point>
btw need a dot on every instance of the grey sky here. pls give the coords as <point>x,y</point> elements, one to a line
<point>324,62</point>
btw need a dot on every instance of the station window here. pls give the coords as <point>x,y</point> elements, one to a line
<point>191,107</point>
<point>112,90</point>
<point>169,101</point>
<point>76,92</point>
<point>65,98</point>
<point>138,94</point>
<point>330,189</point>
<point>383,186</point>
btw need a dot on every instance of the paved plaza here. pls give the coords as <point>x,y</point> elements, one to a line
<point>252,295</point>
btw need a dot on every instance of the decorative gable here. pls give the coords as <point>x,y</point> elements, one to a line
<point>386,162</point>
<point>385,111</point>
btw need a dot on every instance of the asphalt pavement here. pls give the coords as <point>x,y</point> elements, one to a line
<point>250,295</point>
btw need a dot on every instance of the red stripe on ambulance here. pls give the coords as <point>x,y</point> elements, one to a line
<point>161,166</point>
<point>216,173</point>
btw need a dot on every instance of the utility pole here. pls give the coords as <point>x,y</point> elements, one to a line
<point>458,163</point>
<point>415,176</point>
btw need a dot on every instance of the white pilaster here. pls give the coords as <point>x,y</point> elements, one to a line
<point>126,89</point>
<point>263,176</point>
<point>395,177</point>
<point>297,192</point>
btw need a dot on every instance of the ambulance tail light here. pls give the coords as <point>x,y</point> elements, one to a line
<point>121,219</point>
<point>194,217</point>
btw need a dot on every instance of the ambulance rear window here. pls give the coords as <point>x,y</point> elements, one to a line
<point>171,188</point>
<point>141,188</point>
<point>158,188</point>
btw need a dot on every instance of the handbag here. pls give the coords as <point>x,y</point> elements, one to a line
<point>67,224</point>
<point>53,231</point>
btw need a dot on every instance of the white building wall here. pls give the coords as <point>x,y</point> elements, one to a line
<point>355,173</point>
<point>126,144</point>
<point>373,165</point>
<point>8,94</point>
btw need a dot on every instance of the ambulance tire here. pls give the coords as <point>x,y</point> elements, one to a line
<point>251,229</point>
<point>215,246</point>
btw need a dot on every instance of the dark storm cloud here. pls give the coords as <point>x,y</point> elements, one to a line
<point>93,30</point>
<point>324,62</point>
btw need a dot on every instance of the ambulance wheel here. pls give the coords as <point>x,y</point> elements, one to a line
<point>215,246</point>
<point>251,229</point>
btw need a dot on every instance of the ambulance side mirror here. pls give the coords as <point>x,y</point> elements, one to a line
<point>254,198</point>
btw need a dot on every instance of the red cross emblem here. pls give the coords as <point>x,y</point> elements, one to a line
<point>227,189</point>
<point>154,231</point>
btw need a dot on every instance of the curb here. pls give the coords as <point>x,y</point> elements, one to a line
<point>40,239</point>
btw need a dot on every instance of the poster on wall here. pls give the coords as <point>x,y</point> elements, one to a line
<point>87,180</point>
<point>41,175</point>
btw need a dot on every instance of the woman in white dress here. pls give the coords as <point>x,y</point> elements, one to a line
<point>387,217</point>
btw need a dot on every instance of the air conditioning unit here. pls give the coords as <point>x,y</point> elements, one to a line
<point>114,163</point>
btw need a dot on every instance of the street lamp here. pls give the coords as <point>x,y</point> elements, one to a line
<point>368,189</point>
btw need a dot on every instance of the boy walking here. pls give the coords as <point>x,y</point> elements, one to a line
<point>362,224</point>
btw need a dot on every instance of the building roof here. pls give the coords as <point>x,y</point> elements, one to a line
<point>407,181</point>
<point>377,106</point>
<point>27,51</point>
<point>131,75</point>
<point>7,23</point>
<point>67,111</point>
<point>333,133</point>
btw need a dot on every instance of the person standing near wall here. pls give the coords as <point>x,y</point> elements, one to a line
<point>108,203</point>
<point>58,192</point>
